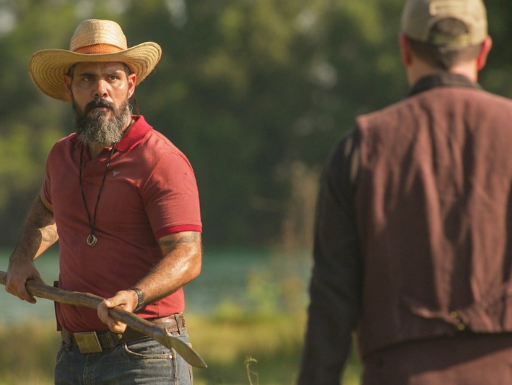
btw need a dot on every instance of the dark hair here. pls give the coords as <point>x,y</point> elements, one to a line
<point>445,56</point>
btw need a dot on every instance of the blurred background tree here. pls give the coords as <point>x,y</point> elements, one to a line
<point>255,92</point>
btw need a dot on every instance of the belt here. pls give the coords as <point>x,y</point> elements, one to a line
<point>95,342</point>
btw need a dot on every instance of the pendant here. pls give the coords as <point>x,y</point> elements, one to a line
<point>92,240</point>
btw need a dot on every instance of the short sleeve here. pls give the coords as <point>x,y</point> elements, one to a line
<point>171,197</point>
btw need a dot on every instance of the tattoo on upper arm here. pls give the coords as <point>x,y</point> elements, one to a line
<point>167,243</point>
<point>187,238</point>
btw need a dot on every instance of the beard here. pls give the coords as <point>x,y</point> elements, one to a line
<point>95,127</point>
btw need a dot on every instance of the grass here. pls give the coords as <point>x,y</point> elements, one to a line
<point>273,341</point>
<point>231,342</point>
<point>28,353</point>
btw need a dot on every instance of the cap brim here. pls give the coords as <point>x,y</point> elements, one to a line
<point>48,67</point>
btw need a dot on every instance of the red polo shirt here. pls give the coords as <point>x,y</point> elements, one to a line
<point>149,191</point>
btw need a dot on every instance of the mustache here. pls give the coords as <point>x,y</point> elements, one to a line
<point>98,103</point>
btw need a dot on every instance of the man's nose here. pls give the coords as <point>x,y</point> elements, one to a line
<point>100,90</point>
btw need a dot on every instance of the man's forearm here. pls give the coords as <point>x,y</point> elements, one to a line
<point>180,265</point>
<point>38,233</point>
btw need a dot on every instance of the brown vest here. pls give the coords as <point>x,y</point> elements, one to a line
<point>434,211</point>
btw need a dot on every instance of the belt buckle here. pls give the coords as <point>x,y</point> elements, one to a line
<point>88,342</point>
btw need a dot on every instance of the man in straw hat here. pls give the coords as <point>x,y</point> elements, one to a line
<point>414,219</point>
<point>122,201</point>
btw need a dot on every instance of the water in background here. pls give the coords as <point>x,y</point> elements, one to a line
<point>224,278</point>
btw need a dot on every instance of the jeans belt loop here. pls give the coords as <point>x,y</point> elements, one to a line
<point>111,342</point>
<point>178,323</point>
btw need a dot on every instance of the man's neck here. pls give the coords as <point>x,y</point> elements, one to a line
<point>421,69</point>
<point>95,150</point>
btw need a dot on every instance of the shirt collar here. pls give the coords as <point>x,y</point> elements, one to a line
<point>133,137</point>
<point>442,79</point>
<point>135,134</point>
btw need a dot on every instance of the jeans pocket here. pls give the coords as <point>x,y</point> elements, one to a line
<point>147,349</point>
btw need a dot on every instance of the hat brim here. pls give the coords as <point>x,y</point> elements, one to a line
<point>48,67</point>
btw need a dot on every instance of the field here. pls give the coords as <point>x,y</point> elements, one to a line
<point>232,343</point>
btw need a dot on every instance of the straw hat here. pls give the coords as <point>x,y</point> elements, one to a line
<point>93,41</point>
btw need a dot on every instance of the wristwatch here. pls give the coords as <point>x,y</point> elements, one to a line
<point>140,303</point>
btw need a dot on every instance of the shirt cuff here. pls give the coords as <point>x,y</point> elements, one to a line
<point>178,229</point>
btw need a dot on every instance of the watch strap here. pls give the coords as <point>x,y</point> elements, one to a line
<point>140,303</point>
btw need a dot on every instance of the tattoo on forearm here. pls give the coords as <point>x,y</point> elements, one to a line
<point>38,232</point>
<point>40,217</point>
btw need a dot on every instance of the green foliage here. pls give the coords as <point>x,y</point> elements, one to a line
<point>246,88</point>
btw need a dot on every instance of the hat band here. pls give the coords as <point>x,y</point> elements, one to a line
<point>98,49</point>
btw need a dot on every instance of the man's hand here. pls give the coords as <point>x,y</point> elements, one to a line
<point>17,277</point>
<point>125,299</point>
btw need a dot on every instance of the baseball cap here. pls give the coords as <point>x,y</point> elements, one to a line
<point>419,16</point>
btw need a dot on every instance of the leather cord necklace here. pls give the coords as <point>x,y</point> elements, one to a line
<point>91,239</point>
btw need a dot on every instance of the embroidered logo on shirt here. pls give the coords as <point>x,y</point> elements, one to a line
<point>115,173</point>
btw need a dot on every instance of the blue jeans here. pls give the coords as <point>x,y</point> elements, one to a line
<point>143,361</point>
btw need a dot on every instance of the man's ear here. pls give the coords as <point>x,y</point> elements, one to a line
<point>484,52</point>
<point>132,80</point>
<point>405,50</point>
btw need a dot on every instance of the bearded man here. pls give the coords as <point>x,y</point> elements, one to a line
<point>122,200</point>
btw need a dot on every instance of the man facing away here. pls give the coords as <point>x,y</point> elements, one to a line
<point>414,221</point>
<point>122,200</point>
